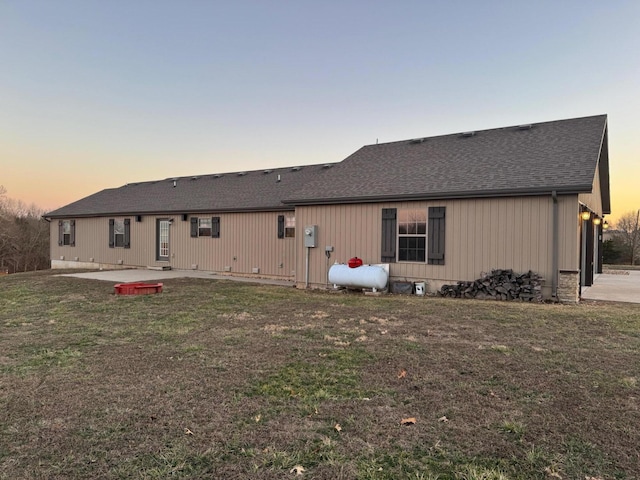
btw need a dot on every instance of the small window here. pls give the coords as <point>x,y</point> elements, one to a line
<point>290,226</point>
<point>204,227</point>
<point>66,232</point>
<point>118,233</point>
<point>412,235</point>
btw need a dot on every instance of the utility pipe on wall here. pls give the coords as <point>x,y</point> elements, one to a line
<point>554,247</point>
<point>306,270</point>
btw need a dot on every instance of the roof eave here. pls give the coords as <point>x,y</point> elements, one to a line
<point>281,208</point>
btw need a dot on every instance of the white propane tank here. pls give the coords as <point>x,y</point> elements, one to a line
<point>365,276</point>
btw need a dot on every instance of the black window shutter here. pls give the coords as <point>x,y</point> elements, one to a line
<point>389,235</point>
<point>194,226</point>
<point>127,233</point>
<point>280,226</point>
<point>215,227</point>
<point>72,239</point>
<point>60,233</point>
<point>435,254</point>
<point>111,232</point>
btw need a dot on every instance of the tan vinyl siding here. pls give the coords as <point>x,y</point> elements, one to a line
<point>481,234</point>
<point>593,200</point>
<point>247,241</point>
<point>569,234</point>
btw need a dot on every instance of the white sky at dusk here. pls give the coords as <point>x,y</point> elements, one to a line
<point>96,94</point>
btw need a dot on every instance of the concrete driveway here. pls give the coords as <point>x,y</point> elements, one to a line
<point>142,275</point>
<point>615,287</point>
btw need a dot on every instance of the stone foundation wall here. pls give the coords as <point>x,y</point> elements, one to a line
<point>569,286</point>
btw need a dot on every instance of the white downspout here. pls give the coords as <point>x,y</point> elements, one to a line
<point>554,248</point>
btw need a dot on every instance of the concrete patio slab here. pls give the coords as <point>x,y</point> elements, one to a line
<point>614,287</point>
<point>143,275</point>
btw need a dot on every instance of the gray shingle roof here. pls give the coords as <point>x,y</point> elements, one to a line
<point>257,190</point>
<point>559,155</point>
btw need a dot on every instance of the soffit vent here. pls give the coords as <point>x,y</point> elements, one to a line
<point>295,169</point>
<point>327,165</point>
<point>218,175</point>
<point>266,172</point>
<point>195,178</point>
<point>468,134</point>
<point>242,174</point>
<point>525,127</point>
<point>417,140</point>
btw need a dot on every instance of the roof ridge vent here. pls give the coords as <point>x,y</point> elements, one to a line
<point>468,134</point>
<point>417,140</point>
<point>526,126</point>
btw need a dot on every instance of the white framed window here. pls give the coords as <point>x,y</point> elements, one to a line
<point>118,233</point>
<point>412,235</point>
<point>204,226</point>
<point>66,232</point>
<point>290,226</point>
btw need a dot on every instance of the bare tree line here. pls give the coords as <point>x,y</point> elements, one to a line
<point>628,236</point>
<point>24,236</point>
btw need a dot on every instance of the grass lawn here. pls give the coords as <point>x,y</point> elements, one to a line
<point>228,380</point>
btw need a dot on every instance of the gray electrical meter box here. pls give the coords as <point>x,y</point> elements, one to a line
<point>310,236</point>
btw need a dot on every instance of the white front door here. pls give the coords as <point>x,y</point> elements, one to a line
<point>162,247</point>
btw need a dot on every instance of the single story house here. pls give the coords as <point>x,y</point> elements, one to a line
<point>440,209</point>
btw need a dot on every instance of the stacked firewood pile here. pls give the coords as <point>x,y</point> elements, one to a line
<point>499,285</point>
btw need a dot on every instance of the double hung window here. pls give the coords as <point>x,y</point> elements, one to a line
<point>119,232</point>
<point>67,233</point>
<point>204,226</point>
<point>412,235</point>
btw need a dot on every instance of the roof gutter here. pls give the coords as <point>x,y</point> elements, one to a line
<point>566,190</point>
<point>284,208</point>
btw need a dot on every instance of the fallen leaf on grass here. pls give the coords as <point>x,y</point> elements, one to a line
<point>443,419</point>
<point>552,473</point>
<point>257,418</point>
<point>188,432</point>
<point>408,421</point>
<point>402,373</point>
<point>298,470</point>
<point>338,427</point>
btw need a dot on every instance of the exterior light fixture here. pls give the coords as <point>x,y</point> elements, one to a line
<point>596,221</point>
<point>605,225</point>
<point>585,215</point>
